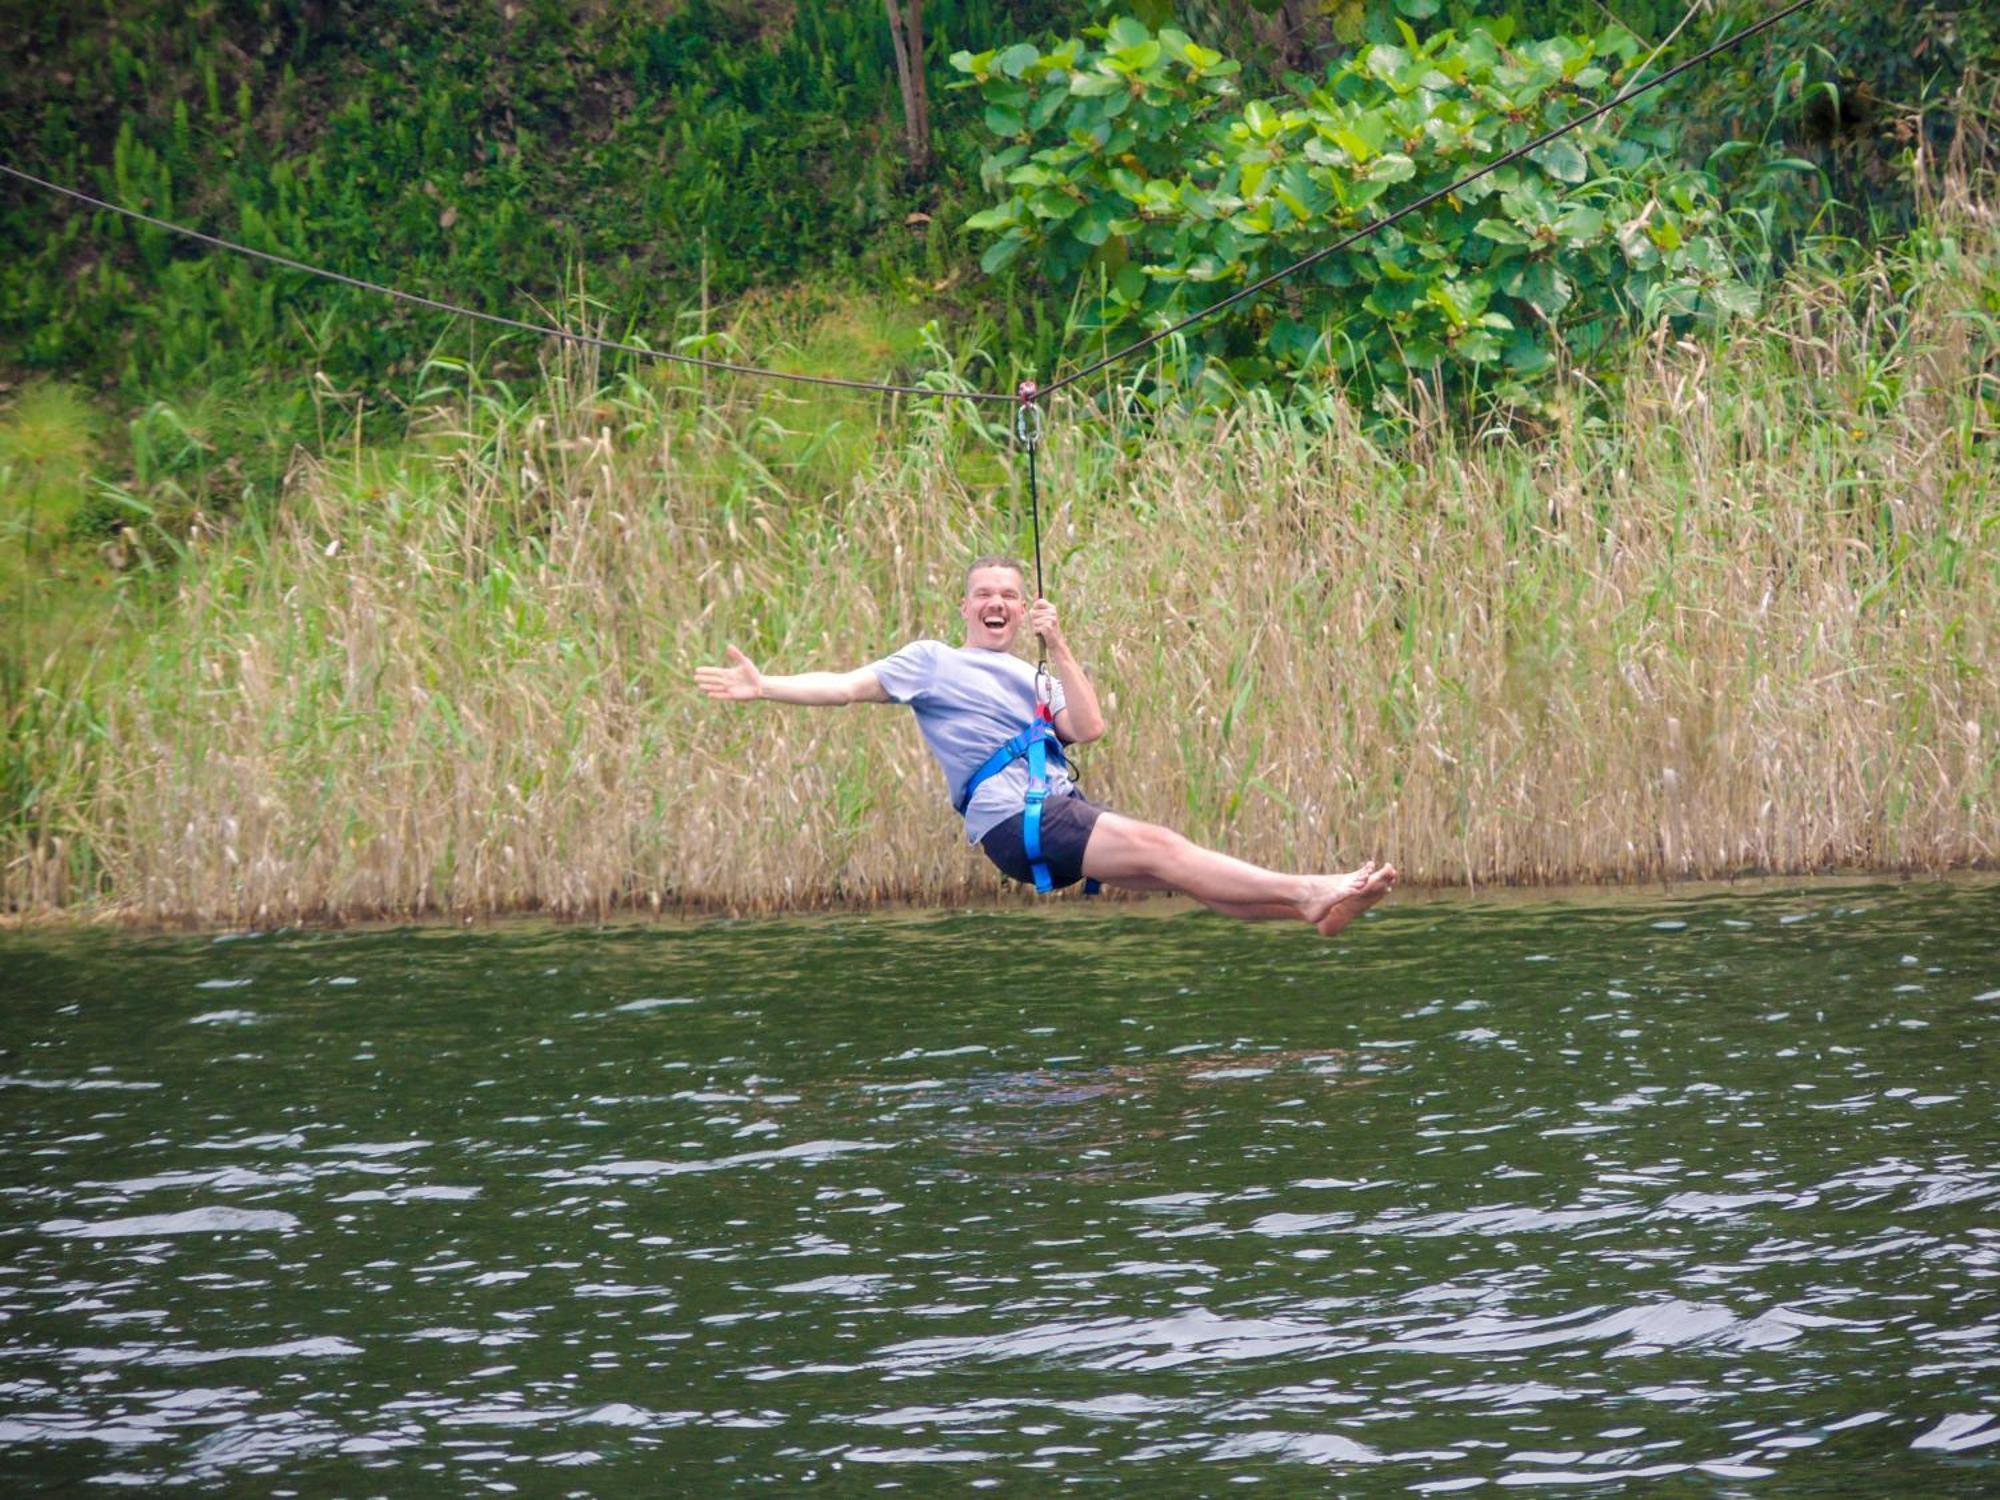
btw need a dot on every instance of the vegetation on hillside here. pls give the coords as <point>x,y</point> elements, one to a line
<point>1739,618</point>
<point>182,433</point>
<point>677,151</point>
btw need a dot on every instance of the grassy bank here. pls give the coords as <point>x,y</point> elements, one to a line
<point>1736,613</point>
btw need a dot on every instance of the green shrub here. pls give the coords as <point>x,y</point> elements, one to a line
<point>1126,168</point>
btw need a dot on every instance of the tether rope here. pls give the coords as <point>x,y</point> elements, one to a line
<point>1029,395</point>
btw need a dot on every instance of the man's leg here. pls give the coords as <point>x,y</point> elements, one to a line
<point>1145,856</point>
<point>1244,911</point>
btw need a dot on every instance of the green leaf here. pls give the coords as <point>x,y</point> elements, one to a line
<point>1616,41</point>
<point>1580,224</point>
<point>1543,288</point>
<point>1292,341</point>
<point>1018,58</point>
<point>1529,202</point>
<point>1004,123</point>
<point>1526,356</point>
<point>1561,160</point>
<point>1261,119</point>
<point>1254,222</point>
<point>1126,32</point>
<point>1053,204</point>
<point>1500,231</point>
<point>1477,347</point>
<point>1136,59</point>
<point>1675,299</point>
<point>1736,298</point>
<point>1092,226</point>
<point>1354,143</point>
<point>1094,85</point>
<point>1418,10</point>
<point>1392,269</point>
<point>1386,63</point>
<point>1001,216</point>
<point>1394,167</point>
<point>1455,301</point>
<point>1002,252</point>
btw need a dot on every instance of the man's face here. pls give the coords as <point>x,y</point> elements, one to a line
<point>995,604</point>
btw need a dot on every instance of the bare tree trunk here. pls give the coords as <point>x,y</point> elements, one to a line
<point>913,13</point>
<point>906,40</point>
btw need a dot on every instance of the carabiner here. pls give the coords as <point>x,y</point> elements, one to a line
<point>1028,422</point>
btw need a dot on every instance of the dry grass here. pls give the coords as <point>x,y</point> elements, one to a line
<point>1744,622</point>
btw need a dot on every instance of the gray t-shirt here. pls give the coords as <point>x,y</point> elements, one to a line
<point>969,703</point>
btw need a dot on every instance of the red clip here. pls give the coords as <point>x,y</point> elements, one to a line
<point>1026,391</point>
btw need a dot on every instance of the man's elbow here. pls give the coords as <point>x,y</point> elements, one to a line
<point>862,687</point>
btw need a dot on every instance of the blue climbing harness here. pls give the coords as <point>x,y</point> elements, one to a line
<point>1038,741</point>
<point>1039,744</point>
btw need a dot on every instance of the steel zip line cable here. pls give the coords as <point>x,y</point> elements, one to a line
<point>549,330</point>
<point>1428,198</point>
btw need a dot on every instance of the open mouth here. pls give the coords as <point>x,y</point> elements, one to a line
<point>994,619</point>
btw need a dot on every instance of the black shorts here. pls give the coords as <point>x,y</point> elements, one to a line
<point>1066,825</point>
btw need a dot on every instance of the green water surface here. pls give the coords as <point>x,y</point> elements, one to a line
<point>1672,1196</point>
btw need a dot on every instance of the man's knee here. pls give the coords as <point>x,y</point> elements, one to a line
<point>1149,842</point>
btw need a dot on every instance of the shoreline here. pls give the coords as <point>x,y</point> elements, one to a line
<point>1069,908</point>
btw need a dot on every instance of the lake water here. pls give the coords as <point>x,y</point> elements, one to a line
<point>1680,1196</point>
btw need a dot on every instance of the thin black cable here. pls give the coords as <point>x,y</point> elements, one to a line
<point>1429,198</point>
<point>546,330</point>
<point>1035,517</point>
<point>1028,428</point>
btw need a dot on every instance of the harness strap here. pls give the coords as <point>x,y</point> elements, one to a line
<point>1005,756</point>
<point>1038,743</point>
<point>1031,821</point>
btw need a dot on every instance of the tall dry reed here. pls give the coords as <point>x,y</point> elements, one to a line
<point>1737,615</point>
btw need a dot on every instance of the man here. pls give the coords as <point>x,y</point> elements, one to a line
<point>969,700</point>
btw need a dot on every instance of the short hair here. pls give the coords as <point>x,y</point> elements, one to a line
<point>996,560</point>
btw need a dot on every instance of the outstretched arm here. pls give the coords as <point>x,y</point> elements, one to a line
<point>741,682</point>
<point>1081,721</point>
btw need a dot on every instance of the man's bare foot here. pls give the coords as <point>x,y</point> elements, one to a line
<point>1346,897</point>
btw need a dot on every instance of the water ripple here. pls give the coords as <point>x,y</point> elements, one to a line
<point>1679,1196</point>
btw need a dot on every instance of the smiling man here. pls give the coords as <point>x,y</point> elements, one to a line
<point>972,702</point>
